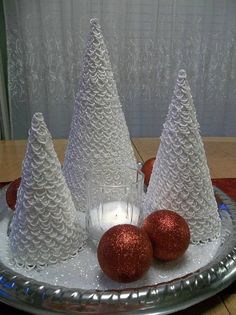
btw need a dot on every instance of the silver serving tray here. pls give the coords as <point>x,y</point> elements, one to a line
<point>165,298</point>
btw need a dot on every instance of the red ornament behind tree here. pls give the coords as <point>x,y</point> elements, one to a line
<point>169,234</point>
<point>147,170</point>
<point>11,193</point>
<point>125,253</point>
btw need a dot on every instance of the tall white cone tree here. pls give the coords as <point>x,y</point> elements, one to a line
<point>99,139</point>
<point>180,180</point>
<point>45,227</point>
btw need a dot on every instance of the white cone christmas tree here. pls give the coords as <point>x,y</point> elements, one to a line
<point>99,138</point>
<point>45,227</point>
<point>180,180</point>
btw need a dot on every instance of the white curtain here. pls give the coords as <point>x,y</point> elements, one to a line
<point>148,40</point>
<point>5,130</point>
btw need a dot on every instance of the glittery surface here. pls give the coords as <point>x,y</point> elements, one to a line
<point>125,253</point>
<point>147,170</point>
<point>11,193</point>
<point>84,272</point>
<point>169,234</point>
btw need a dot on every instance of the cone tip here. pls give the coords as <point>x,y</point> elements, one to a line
<point>37,121</point>
<point>94,23</point>
<point>38,116</point>
<point>182,74</point>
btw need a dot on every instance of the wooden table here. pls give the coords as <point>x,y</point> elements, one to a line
<point>221,155</point>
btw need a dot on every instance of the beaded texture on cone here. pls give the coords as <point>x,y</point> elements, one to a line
<point>180,180</point>
<point>45,227</point>
<point>99,139</point>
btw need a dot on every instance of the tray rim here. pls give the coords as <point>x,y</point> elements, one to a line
<point>164,298</point>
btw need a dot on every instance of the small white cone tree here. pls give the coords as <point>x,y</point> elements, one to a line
<point>99,140</point>
<point>45,227</point>
<point>180,180</point>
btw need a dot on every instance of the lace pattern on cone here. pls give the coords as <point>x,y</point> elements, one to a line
<point>99,137</point>
<point>181,179</point>
<point>45,228</point>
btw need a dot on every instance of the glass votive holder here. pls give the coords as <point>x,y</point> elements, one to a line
<point>113,200</point>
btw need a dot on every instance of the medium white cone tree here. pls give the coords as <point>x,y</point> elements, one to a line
<point>180,180</point>
<point>45,227</point>
<point>99,140</point>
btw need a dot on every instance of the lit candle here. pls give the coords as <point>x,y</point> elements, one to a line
<point>109,214</point>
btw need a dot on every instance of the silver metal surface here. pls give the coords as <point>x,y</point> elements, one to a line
<point>165,298</point>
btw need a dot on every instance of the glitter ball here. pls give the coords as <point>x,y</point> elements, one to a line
<point>124,253</point>
<point>147,170</point>
<point>11,193</point>
<point>168,232</point>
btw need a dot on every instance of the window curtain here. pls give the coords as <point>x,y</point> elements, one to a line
<point>5,126</point>
<point>148,41</point>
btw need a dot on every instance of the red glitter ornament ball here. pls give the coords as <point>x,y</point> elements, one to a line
<point>169,234</point>
<point>125,253</point>
<point>147,170</point>
<point>11,193</point>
